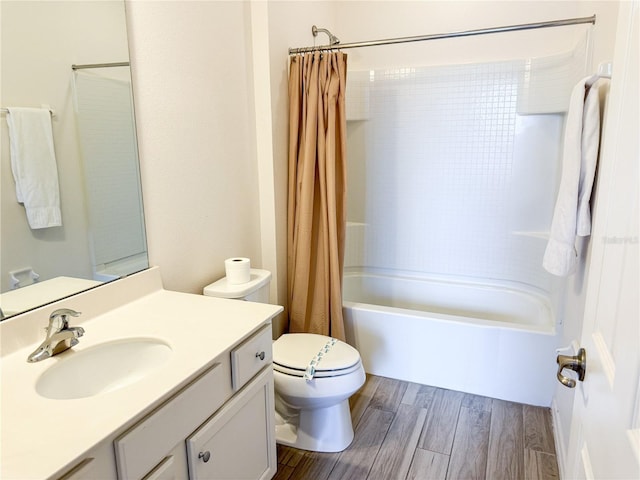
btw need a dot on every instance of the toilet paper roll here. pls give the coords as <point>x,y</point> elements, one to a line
<point>238,270</point>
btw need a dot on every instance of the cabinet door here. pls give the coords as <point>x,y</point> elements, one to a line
<point>167,469</point>
<point>238,443</point>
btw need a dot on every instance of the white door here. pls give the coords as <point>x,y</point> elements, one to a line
<point>605,429</point>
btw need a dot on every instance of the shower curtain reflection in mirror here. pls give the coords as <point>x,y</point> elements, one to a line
<point>105,122</point>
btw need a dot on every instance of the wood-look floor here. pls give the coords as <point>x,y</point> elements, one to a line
<point>408,431</point>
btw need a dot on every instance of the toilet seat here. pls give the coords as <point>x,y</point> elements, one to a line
<point>319,373</point>
<point>293,352</point>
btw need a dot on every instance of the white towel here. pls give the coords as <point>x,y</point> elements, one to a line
<point>572,215</point>
<point>33,163</point>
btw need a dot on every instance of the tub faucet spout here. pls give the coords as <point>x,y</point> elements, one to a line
<point>60,336</point>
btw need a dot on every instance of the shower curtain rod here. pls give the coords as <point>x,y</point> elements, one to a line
<point>99,65</point>
<point>437,36</point>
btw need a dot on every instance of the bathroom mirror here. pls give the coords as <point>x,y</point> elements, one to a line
<point>102,233</point>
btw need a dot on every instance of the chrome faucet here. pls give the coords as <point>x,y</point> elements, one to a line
<point>60,336</point>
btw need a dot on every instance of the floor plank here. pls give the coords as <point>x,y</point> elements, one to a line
<point>506,441</point>
<point>540,466</point>
<point>538,432</point>
<point>315,465</point>
<point>388,394</point>
<point>476,402</point>
<point>356,461</point>
<point>418,395</point>
<point>289,456</point>
<point>284,472</point>
<point>428,465</point>
<point>470,445</point>
<point>395,455</point>
<point>361,399</point>
<point>442,418</point>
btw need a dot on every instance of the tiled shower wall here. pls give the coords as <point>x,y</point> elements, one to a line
<point>453,170</point>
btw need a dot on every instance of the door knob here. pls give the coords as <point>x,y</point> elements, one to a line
<point>577,363</point>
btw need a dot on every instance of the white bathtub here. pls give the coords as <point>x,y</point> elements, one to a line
<point>496,340</point>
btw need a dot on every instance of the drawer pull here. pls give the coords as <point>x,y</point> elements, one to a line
<point>260,355</point>
<point>205,456</point>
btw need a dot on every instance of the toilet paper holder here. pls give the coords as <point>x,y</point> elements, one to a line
<point>577,363</point>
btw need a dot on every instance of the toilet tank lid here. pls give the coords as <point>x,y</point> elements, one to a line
<point>223,289</point>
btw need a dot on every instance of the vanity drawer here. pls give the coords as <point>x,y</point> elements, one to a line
<point>148,442</point>
<point>99,462</point>
<point>249,358</point>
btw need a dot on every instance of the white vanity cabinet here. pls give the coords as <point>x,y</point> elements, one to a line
<point>236,443</point>
<point>234,424</point>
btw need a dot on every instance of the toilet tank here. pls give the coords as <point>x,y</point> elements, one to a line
<point>255,290</point>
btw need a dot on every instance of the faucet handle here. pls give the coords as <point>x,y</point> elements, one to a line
<point>63,314</point>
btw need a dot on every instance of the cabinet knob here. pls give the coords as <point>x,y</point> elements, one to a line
<point>205,456</point>
<point>260,355</point>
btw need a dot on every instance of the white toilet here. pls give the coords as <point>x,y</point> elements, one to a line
<point>312,413</point>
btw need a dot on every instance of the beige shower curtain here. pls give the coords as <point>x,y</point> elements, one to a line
<point>317,191</point>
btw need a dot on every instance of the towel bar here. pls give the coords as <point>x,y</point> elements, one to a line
<point>51,110</point>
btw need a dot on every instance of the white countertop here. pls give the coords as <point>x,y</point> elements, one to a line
<point>41,437</point>
<point>24,298</point>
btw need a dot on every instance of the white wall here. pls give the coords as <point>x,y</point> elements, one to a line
<point>195,116</point>
<point>38,72</point>
<point>408,18</point>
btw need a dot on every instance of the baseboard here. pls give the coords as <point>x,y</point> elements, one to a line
<point>561,454</point>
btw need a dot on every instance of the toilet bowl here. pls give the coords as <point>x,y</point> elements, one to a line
<point>314,376</point>
<point>312,407</point>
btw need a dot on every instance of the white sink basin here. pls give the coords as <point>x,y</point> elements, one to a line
<point>104,368</point>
